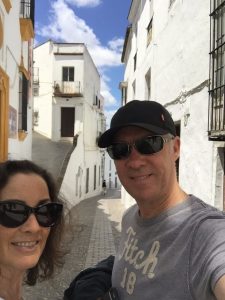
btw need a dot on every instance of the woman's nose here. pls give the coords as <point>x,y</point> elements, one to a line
<point>31,224</point>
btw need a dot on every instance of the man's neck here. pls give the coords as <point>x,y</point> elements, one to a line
<point>158,206</point>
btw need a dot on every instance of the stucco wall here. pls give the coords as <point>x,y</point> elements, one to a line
<point>10,59</point>
<point>43,60</point>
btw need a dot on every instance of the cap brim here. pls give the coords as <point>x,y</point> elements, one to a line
<point>106,139</point>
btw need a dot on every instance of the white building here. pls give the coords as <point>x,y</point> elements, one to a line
<point>166,56</point>
<point>111,176</point>
<point>68,105</point>
<point>16,44</point>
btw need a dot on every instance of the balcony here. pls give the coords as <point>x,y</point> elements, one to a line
<point>67,89</point>
<point>27,19</point>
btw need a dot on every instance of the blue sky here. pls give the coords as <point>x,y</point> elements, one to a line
<point>100,24</point>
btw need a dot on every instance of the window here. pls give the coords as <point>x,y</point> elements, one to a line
<point>68,74</point>
<point>149,32</point>
<point>35,117</point>
<point>178,160</point>
<point>148,85</point>
<point>95,101</point>
<point>95,174</point>
<point>35,90</point>
<point>36,75</point>
<point>217,70</point>
<point>134,89</point>
<point>123,88</point>
<point>135,61</point>
<point>124,95</point>
<point>87,180</point>
<point>23,100</point>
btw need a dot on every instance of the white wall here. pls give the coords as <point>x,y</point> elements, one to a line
<point>10,60</point>
<point>178,56</point>
<point>73,187</point>
<point>43,59</point>
<point>111,177</point>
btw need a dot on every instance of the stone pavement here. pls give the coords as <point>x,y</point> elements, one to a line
<point>49,154</point>
<point>93,235</point>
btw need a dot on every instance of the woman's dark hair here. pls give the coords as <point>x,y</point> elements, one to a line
<point>52,255</point>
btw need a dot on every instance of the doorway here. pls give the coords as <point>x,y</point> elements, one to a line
<point>67,121</point>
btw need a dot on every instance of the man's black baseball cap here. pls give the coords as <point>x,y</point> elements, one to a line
<point>145,114</point>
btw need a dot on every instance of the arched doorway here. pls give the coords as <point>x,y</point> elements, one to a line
<point>4,106</point>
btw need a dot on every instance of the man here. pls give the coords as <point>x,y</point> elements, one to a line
<point>172,244</point>
<point>104,187</point>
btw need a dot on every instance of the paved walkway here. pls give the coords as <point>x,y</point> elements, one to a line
<point>93,235</point>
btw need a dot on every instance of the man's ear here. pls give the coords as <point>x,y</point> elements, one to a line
<point>176,147</point>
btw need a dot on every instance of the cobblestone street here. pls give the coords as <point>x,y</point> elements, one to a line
<point>93,235</point>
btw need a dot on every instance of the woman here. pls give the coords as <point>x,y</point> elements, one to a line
<point>31,223</point>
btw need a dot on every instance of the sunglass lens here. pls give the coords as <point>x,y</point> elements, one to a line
<point>48,214</point>
<point>118,151</point>
<point>149,145</point>
<point>12,214</point>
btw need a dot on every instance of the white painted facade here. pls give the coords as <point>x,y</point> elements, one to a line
<point>111,176</point>
<point>16,46</point>
<point>177,59</point>
<point>85,168</point>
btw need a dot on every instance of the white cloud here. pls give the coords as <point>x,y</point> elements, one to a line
<point>106,91</point>
<point>109,114</point>
<point>116,44</point>
<point>83,3</point>
<point>66,26</point>
<point>104,57</point>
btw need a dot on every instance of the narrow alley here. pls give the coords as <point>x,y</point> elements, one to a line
<point>92,229</point>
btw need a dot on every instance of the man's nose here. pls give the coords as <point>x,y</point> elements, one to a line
<point>135,159</point>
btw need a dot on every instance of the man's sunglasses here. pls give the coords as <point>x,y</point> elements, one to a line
<point>13,213</point>
<point>146,146</point>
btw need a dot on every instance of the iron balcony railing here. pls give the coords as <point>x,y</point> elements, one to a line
<point>67,89</point>
<point>216,122</point>
<point>36,75</point>
<point>27,10</point>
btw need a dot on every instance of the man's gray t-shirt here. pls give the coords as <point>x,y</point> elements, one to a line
<point>178,255</point>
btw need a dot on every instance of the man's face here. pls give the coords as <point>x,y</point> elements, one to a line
<point>149,179</point>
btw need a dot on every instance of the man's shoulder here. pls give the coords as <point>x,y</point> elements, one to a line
<point>205,208</point>
<point>205,217</point>
<point>132,210</point>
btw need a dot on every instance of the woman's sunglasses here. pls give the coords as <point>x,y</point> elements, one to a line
<point>146,146</point>
<point>13,213</point>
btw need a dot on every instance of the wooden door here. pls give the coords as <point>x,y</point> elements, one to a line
<point>67,121</point>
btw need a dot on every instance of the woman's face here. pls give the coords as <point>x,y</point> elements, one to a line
<point>21,247</point>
